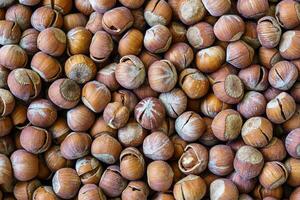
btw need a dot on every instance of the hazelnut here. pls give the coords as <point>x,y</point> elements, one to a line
<point>112,183</point>
<point>239,54</point>
<point>269,32</point>
<point>148,58</point>
<point>100,127</point>
<point>254,77</point>
<point>191,11</point>
<point>80,118</point>
<point>193,83</point>
<point>106,149</point>
<point>200,35</point>
<point>7,102</point>
<point>260,192</point>
<point>159,176</point>
<point>116,115</point>
<point>220,161</point>
<point>254,100</point>
<point>13,56</point>
<point>229,28</point>
<point>35,140</point>
<point>211,105</point>
<point>6,126</point>
<point>78,40</point>
<point>19,116</point>
<point>25,190</point>
<point>3,76</point>
<point>126,97</point>
<point>190,126</point>
<point>24,164</point>
<point>19,14</point>
<point>163,196</point>
<point>274,151</point>
<point>190,187</point>
<point>101,46</point>
<point>221,73</point>
<point>194,159</point>
<point>287,15</point>
<point>139,20</point>
<point>132,164</point>
<point>117,20</point>
<point>80,68</point>
<point>135,190</point>
<point>131,43</point>
<point>293,122</point>
<point>89,169</point>
<point>250,35</point>
<point>48,68</point>
<point>52,41</point>
<point>65,93</point>
<point>292,166</point>
<point>158,12</point>
<point>10,32</point>
<point>295,194</point>
<point>132,4</point>
<point>295,91</point>
<point>94,22</point>
<point>223,189</point>
<point>236,144</point>
<point>45,17</point>
<point>252,9</point>
<point>157,39</point>
<point>208,138</point>
<point>84,6</point>
<point>268,57</point>
<point>59,130</point>
<point>24,84</point>
<point>178,31</point>
<point>289,45</point>
<point>132,134</point>
<point>281,108</point>
<point>292,143</point>
<point>273,175</point>
<point>63,6</point>
<point>210,59</point>
<point>130,72</point>
<point>74,20</point>
<point>179,146</point>
<point>227,125</point>
<point>271,93</point>
<point>90,191</point>
<point>66,183</point>
<point>167,126</point>
<point>145,91</point>
<point>217,8</point>
<point>7,145</point>
<point>6,172</point>
<point>106,76</point>
<point>242,184</point>
<point>55,160</point>
<point>283,75</point>
<point>102,6</point>
<point>44,192</point>
<point>246,158</point>
<point>158,146</point>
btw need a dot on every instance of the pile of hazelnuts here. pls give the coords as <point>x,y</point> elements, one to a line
<point>150,99</point>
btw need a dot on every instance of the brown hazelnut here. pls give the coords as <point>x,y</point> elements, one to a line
<point>48,68</point>
<point>106,76</point>
<point>52,41</point>
<point>254,100</point>
<point>190,187</point>
<point>112,183</point>
<point>292,143</point>
<point>132,4</point>
<point>44,192</point>
<point>148,58</point>
<point>208,138</point>
<point>167,126</point>
<point>293,122</point>
<point>271,93</point>
<point>191,11</point>
<point>24,84</point>
<point>66,183</point>
<point>250,35</point>
<point>193,83</point>
<point>295,194</point>
<point>25,165</point>
<point>252,9</point>
<point>295,92</point>
<point>7,145</point>
<point>55,160</point>
<point>116,115</point>
<point>80,68</point>
<point>221,73</point>
<point>163,196</point>
<point>102,6</point>
<point>269,32</point>
<point>59,130</point>
<point>158,39</point>
<point>281,108</point>
<point>19,14</point>
<point>190,126</point>
<point>227,125</point>
<point>6,173</point>
<point>63,6</point>
<point>84,6</point>
<point>25,190</point>
<point>145,91</point>
<point>19,116</point>
<point>117,20</point>
<point>194,159</point>
<point>101,127</point>
<point>289,45</point>
<point>35,140</point>
<point>7,102</point>
<point>211,105</point>
<point>268,57</point>
<point>158,146</point>
<point>89,169</point>
<point>229,28</point>
<point>236,144</point>
<point>200,35</point>
<point>283,75</point>
<point>178,31</point>
<point>292,165</point>
<point>179,146</point>
<point>158,12</point>
<point>80,118</point>
<point>220,161</point>
<point>181,55</point>
<point>44,172</point>
<point>126,97</point>
<point>260,192</point>
<point>90,191</point>
<point>132,164</point>
<point>139,19</point>
<point>159,176</point>
<point>239,54</point>
<point>65,93</point>
<point>78,40</point>
<point>222,189</point>
<point>242,184</point>
<point>45,17</point>
<point>254,77</point>
<point>135,190</point>
<point>74,20</point>
<point>273,175</point>
<point>3,76</point>
<point>10,32</point>
<point>217,8</point>
<point>101,46</point>
<point>287,15</point>
<point>274,151</point>
<point>94,23</point>
<point>13,57</point>
<point>106,149</point>
<point>132,134</point>
<point>6,125</point>
<point>210,59</point>
<point>131,43</point>
<point>246,158</point>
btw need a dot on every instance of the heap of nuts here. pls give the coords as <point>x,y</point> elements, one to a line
<point>150,99</point>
